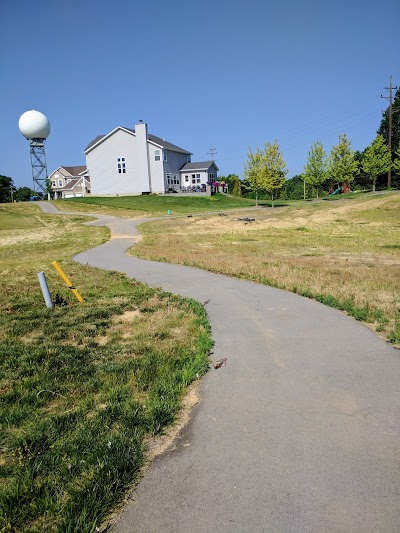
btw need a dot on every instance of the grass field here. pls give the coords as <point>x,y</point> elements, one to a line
<point>82,386</point>
<point>155,205</point>
<point>344,253</point>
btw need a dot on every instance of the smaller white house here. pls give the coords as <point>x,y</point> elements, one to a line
<point>70,182</point>
<point>198,175</point>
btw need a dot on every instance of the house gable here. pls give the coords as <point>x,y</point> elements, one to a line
<point>101,138</point>
<point>157,141</point>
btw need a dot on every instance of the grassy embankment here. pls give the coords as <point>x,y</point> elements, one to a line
<point>154,205</point>
<point>343,253</point>
<point>82,386</point>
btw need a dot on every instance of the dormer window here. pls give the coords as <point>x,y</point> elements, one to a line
<point>157,156</point>
<point>121,165</point>
<point>60,183</point>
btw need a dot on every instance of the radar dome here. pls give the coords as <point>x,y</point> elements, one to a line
<point>34,125</point>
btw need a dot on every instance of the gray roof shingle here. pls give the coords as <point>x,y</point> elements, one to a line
<point>167,145</point>
<point>200,165</point>
<point>95,140</point>
<point>75,171</point>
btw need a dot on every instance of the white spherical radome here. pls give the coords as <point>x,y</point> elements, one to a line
<point>34,125</point>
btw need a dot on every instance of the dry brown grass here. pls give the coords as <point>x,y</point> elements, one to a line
<point>348,250</point>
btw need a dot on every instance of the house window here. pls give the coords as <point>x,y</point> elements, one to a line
<point>198,178</point>
<point>186,178</point>
<point>188,158</point>
<point>60,184</point>
<point>121,165</point>
<point>172,179</point>
<point>211,178</point>
<point>54,183</point>
<point>193,179</point>
<point>157,156</point>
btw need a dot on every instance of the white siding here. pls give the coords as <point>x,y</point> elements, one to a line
<point>156,169</point>
<point>102,163</point>
<point>190,173</point>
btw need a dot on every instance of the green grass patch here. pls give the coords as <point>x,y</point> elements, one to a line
<point>21,217</point>
<point>83,385</point>
<point>159,205</point>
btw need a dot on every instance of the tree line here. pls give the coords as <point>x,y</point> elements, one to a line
<point>265,169</point>
<point>9,193</point>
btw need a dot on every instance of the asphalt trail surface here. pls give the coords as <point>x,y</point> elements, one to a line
<point>298,432</point>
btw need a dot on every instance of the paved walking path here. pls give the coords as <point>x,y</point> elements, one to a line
<point>298,432</point>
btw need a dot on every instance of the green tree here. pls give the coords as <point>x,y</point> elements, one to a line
<point>23,194</point>
<point>315,170</point>
<point>48,188</point>
<point>342,166</point>
<point>293,188</point>
<point>384,127</point>
<point>396,162</point>
<point>7,189</point>
<point>273,169</point>
<point>231,180</point>
<point>252,170</point>
<point>237,188</point>
<point>376,159</point>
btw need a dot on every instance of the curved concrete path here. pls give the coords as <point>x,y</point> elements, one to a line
<point>298,432</point>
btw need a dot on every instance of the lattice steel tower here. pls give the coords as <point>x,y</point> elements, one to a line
<point>35,127</point>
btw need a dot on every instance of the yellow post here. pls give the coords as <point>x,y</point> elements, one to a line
<point>67,281</point>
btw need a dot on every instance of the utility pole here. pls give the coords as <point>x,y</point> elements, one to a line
<point>390,98</point>
<point>212,152</point>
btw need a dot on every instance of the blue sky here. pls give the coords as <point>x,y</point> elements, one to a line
<point>231,74</point>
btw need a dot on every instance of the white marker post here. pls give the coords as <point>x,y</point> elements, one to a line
<point>45,290</point>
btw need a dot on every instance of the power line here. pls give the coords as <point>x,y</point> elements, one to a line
<point>390,98</point>
<point>333,117</point>
<point>322,134</point>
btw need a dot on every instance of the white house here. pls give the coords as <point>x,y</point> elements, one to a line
<point>69,182</point>
<point>132,161</point>
<point>198,175</point>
